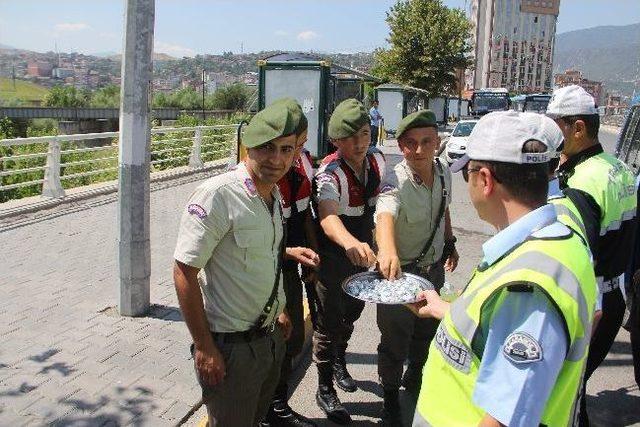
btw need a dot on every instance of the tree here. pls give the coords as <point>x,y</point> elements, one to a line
<point>428,42</point>
<point>232,97</point>
<point>67,96</point>
<point>107,97</point>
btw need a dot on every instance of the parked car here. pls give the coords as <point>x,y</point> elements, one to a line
<point>457,144</point>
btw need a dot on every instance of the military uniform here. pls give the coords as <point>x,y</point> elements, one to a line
<point>295,188</point>
<point>337,311</point>
<point>230,234</point>
<point>414,207</point>
<point>355,197</point>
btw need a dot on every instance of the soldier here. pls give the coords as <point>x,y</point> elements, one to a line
<point>414,235</point>
<point>347,184</point>
<point>232,230</point>
<point>295,188</point>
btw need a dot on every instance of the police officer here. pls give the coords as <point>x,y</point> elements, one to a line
<point>572,205</point>
<point>609,186</point>
<point>347,184</point>
<point>232,230</point>
<point>295,188</point>
<point>512,348</point>
<point>414,235</point>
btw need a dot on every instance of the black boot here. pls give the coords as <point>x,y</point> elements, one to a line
<point>391,414</point>
<point>344,380</point>
<point>412,381</point>
<point>281,415</point>
<point>328,401</point>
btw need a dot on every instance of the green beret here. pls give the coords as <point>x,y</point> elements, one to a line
<point>274,121</point>
<point>299,122</point>
<point>347,119</point>
<point>419,119</point>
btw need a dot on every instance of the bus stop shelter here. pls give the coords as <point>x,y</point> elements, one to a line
<point>317,84</point>
<point>397,101</point>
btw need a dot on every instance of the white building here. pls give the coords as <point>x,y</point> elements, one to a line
<point>513,44</point>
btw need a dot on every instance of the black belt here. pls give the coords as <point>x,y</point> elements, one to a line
<point>243,336</point>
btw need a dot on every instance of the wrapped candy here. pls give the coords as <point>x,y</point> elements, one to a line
<point>372,287</point>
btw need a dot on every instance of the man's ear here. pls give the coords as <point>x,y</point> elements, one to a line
<point>580,129</point>
<point>487,181</point>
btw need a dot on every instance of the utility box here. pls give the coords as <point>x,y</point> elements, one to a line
<point>439,106</point>
<point>397,101</point>
<point>317,84</point>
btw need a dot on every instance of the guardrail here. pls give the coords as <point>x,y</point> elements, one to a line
<point>65,161</point>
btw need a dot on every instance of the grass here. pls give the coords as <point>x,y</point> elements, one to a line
<point>24,91</point>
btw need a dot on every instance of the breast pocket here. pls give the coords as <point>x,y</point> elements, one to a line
<point>255,250</point>
<point>417,218</point>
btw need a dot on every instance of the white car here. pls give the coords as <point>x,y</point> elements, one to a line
<point>457,144</point>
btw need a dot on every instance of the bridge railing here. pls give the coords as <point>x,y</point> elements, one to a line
<point>48,165</point>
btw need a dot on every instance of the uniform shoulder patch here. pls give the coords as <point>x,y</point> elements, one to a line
<point>385,188</point>
<point>197,210</point>
<point>521,347</point>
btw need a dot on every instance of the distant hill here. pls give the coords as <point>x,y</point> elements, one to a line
<point>609,54</point>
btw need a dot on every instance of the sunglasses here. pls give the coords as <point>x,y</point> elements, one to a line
<point>466,171</point>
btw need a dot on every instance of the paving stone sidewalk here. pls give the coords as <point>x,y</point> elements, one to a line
<point>66,357</point>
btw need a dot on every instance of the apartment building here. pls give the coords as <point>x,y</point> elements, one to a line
<point>513,44</point>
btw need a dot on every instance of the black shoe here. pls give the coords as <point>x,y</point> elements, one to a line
<point>412,381</point>
<point>391,415</point>
<point>328,401</point>
<point>281,415</point>
<point>344,380</point>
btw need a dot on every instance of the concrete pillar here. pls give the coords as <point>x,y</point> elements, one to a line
<point>134,258</point>
<point>52,186</point>
<point>195,161</point>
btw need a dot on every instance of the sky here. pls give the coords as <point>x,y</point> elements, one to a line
<point>190,27</point>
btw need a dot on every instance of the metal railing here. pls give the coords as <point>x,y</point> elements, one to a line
<point>56,163</point>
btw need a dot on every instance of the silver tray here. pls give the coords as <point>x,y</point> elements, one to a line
<point>367,279</point>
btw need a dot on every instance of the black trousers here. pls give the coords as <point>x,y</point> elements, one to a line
<point>613,307</point>
<point>337,312</point>
<point>293,290</point>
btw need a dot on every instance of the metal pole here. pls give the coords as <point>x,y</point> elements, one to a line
<point>134,260</point>
<point>203,113</point>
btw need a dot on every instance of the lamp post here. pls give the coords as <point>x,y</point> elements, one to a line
<point>204,117</point>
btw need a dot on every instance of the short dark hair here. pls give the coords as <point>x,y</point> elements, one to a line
<point>527,183</point>
<point>591,122</point>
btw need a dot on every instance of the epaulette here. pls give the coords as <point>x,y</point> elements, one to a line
<point>329,163</point>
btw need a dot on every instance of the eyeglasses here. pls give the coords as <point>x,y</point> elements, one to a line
<point>467,171</point>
